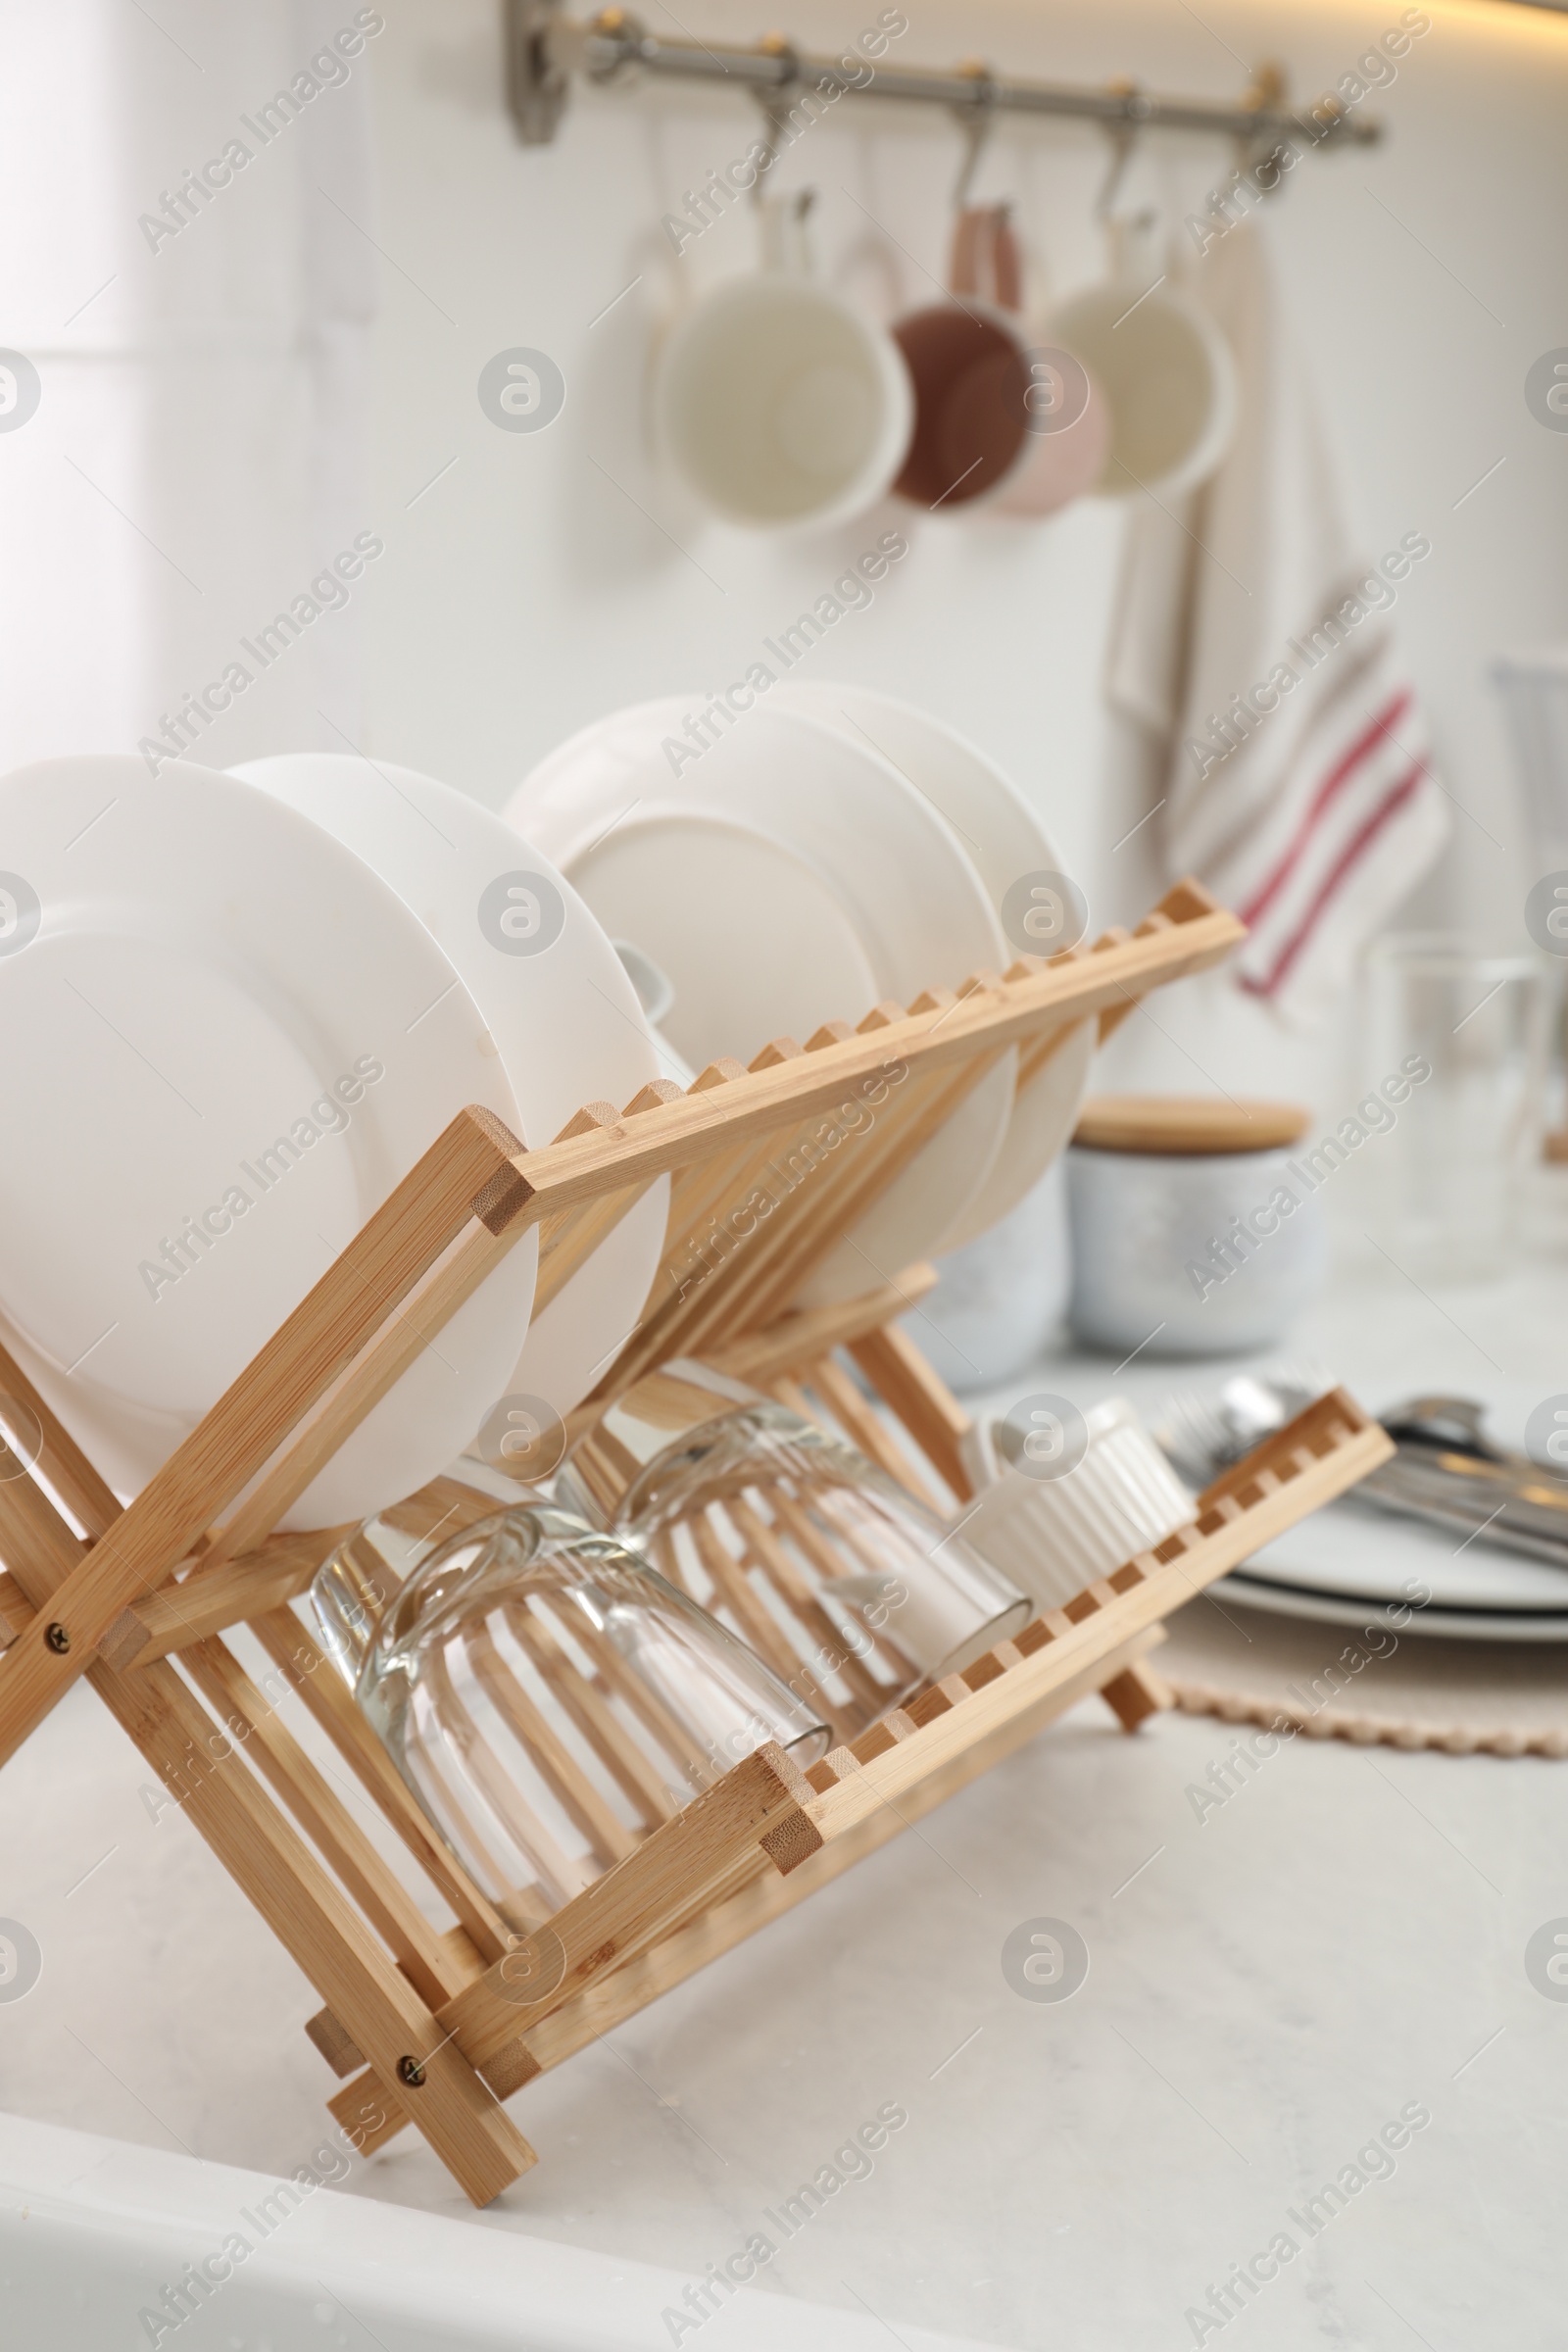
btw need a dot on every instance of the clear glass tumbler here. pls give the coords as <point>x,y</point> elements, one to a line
<point>853,1593</point>
<point>547,1695</point>
<point>1445,1177</point>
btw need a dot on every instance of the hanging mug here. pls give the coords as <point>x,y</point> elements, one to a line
<point>969,366</point>
<point>1167,373</point>
<point>995,417</point>
<point>777,403</point>
<point>1069,417</point>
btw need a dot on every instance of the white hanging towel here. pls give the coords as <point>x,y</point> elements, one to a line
<point>1253,643</point>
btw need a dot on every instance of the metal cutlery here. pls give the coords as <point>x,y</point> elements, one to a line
<point>1445,1470</point>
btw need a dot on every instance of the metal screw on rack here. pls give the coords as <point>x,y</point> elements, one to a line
<point>412,2073</point>
<point>56,1637</point>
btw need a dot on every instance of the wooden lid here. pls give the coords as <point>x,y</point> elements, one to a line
<point>1188,1124</point>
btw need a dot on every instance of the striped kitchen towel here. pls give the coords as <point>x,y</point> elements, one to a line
<point>1256,648</point>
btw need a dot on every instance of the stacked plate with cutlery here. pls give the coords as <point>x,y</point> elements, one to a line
<point>1455,1535</point>
<point>1462,1536</point>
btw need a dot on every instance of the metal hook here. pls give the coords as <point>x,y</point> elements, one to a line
<point>976,118</point>
<point>786,245</point>
<point>1123,137</point>
<point>776,103</point>
<point>1258,153</point>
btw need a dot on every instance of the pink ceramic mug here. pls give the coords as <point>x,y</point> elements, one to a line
<point>1068,418</point>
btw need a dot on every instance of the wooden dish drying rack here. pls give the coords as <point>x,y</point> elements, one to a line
<point>438,2028</point>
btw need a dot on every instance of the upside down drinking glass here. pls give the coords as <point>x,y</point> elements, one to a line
<point>547,1695</point>
<point>851,1588</point>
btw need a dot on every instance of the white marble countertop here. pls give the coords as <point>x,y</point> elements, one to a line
<point>1268,1988</point>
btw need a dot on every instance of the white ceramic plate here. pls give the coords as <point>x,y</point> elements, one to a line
<point>1348,1560</point>
<point>786,878</point>
<point>566,1018</point>
<point>1453,1625</point>
<point>224,1044</point>
<point>1002,840</point>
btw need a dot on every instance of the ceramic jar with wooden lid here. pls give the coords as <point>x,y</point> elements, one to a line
<point>1194,1226</point>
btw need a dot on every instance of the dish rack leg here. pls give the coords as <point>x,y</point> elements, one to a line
<point>1136,1693</point>
<point>193,1757</point>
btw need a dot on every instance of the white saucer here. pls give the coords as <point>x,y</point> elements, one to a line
<point>224,1017</point>
<point>567,1019</point>
<point>786,878</point>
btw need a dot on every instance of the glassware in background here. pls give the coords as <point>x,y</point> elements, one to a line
<point>1533,685</point>
<point>849,1589</point>
<point>1445,1181</point>
<point>547,1695</point>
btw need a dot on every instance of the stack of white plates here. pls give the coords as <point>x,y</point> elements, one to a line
<point>832,850</point>
<point>564,1018</point>
<point>235,1010</point>
<point>1353,1564</point>
<point>234,1014</point>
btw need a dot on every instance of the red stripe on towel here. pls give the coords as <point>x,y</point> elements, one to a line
<point>1356,848</point>
<point>1333,784</point>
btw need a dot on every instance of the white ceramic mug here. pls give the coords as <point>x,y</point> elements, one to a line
<point>777,403</point>
<point>1164,367</point>
<point>655,994</point>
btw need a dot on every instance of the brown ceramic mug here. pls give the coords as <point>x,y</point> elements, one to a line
<point>970,370</point>
<point>994,414</point>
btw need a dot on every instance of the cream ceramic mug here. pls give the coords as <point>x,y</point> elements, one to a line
<point>777,403</point>
<point>1165,369</point>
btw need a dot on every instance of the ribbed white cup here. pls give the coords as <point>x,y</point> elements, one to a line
<point>1052,1535</point>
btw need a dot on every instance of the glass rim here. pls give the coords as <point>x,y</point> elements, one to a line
<point>1447,953</point>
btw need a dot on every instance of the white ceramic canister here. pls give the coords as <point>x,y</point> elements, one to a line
<point>1195,1230</point>
<point>1000,1298</point>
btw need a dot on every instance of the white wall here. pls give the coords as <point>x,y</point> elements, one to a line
<point>548,577</point>
<point>195,457</point>
<point>545,578</point>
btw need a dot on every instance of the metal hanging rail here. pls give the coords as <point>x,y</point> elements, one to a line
<point>544,47</point>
